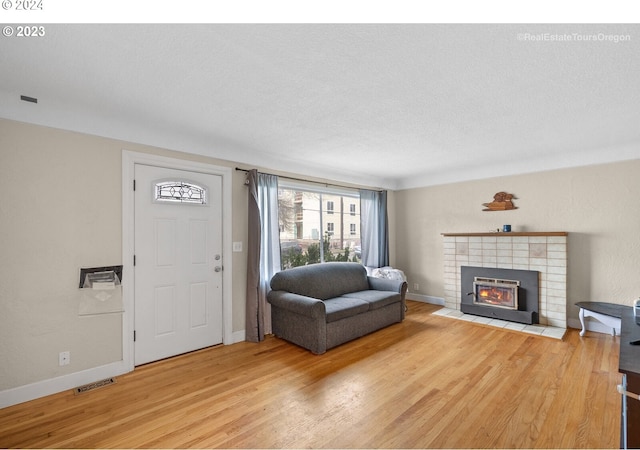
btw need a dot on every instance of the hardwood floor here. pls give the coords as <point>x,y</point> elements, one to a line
<point>430,382</point>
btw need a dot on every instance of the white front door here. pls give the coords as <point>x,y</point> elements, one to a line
<point>178,262</point>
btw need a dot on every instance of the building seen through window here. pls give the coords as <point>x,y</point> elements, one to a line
<point>318,226</point>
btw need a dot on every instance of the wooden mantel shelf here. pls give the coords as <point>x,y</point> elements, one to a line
<point>512,233</point>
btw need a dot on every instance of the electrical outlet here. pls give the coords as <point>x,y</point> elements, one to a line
<point>64,358</point>
<point>416,287</point>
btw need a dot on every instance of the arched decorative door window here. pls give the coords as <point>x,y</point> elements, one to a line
<point>179,191</point>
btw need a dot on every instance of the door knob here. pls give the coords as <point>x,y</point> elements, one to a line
<point>218,269</point>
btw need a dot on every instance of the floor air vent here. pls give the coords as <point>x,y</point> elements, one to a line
<point>93,386</point>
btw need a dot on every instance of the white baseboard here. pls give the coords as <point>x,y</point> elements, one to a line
<point>238,336</point>
<point>590,324</point>
<point>21,394</point>
<point>425,299</point>
<point>28,392</point>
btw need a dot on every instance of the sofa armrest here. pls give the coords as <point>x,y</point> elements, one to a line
<point>300,304</point>
<point>385,284</point>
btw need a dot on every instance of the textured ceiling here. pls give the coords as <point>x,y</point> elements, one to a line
<point>394,106</point>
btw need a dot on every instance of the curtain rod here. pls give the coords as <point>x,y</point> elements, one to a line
<point>308,181</point>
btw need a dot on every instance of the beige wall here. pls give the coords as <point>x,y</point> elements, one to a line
<point>61,209</point>
<point>597,205</point>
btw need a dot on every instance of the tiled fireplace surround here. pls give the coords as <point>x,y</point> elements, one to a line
<point>545,252</point>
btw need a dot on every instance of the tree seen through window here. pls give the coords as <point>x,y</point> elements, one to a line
<point>317,227</point>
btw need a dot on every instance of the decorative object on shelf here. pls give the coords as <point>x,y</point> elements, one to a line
<point>501,202</point>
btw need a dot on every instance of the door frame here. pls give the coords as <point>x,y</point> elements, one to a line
<point>129,160</point>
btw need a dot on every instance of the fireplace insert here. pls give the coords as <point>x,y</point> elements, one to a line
<point>495,292</point>
<point>505,294</point>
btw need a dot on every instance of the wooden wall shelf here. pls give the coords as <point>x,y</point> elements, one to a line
<point>512,233</point>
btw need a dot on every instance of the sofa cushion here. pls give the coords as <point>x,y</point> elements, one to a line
<point>323,280</point>
<point>341,307</point>
<point>377,299</point>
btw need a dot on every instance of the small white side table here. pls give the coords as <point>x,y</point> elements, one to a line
<point>608,313</point>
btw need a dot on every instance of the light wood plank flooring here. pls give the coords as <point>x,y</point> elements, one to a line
<point>430,382</point>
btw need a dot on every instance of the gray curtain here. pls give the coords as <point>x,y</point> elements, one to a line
<point>263,252</point>
<point>374,228</point>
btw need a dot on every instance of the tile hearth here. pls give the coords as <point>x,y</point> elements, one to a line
<point>539,330</point>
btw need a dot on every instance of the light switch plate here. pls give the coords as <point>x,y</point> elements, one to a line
<point>237,246</point>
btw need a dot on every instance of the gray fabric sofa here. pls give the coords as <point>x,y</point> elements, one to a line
<point>320,306</point>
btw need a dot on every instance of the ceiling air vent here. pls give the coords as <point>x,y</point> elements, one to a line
<point>26,98</point>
